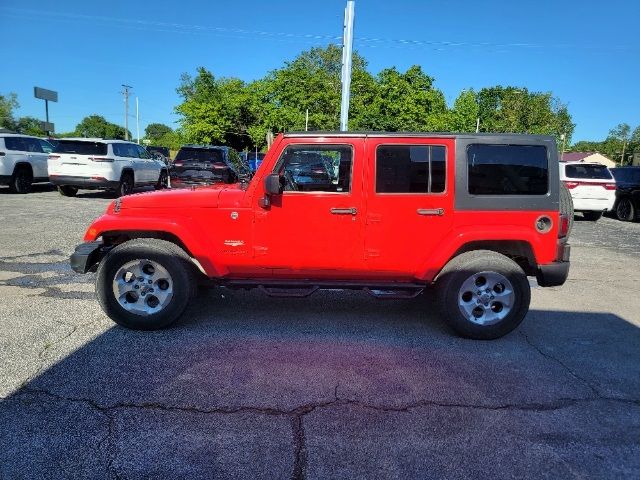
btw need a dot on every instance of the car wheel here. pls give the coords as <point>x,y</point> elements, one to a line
<point>483,295</point>
<point>566,205</point>
<point>163,180</point>
<point>67,190</point>
<point>625,210</point>
<point>21,180</point>
<point>592,216</point>
<point>145,284</point>
<point>126,185</point>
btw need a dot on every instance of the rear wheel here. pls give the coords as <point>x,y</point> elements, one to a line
<point>126,185</point>
<point>145,284</point>
<point>21,180</point>
<point>483,294</point>
<point>625,210</point>
<point>592,216</point>
<point>67,190</point>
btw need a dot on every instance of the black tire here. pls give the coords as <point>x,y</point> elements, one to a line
<point>592,216</point>
<point>163,180</point>
<point>467,267</point>
<point>126,185</point>
<point>171,257</point>
<point>67,190</point>
<point>21,180</point>
<point>625,210</point>
<point>566,205</point>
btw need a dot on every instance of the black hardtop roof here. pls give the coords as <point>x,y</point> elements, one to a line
<point>366,134</point>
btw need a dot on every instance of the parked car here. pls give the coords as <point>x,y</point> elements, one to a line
<point>592,187</point>
<point>206,165</point>
<point>96,163</point>
<point>308,171</point>
<point>627,206</point>
<point>252,159</point>
<point>161,153</point>
<point>470,215</point>
<point>23,161</point>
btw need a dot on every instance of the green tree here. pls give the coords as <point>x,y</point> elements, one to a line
<point>29,126</point>
<point>463,116</point>
<point>98,126</point>
<point>8,103</point>
<point>155,131</point>
<point>622,135</point>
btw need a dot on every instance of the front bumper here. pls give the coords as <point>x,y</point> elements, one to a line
<point>87,257</point>
<point>83,182</point>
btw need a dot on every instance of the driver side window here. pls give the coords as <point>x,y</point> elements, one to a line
<point>316,168</point>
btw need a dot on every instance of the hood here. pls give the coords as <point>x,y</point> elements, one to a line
<point>200,197</point>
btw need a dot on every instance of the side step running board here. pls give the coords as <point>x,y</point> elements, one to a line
<point>288,292</point>
<point>394,294</point>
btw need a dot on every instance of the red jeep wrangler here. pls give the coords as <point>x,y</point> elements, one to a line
<point>471,215</point>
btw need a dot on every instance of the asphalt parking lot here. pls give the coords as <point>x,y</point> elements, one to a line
<point>337,385</point>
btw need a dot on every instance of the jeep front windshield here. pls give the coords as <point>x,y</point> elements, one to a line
<point>80,147</point>
<point>207,155</point>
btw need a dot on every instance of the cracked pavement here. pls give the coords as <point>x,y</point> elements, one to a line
<point>337,385</point>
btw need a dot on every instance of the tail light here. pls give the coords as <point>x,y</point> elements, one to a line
<point>571,185</point>
<point>177,164</point>
<point>563,228</point>
<point>101,159</point>
<point>609,186</point>
<point>605,185</point>
<point>219,165</point>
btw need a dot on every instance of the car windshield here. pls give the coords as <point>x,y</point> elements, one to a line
<point>81,147</point>
<point>631,175</point>
<point>211,155</point>
<point>588,171</point>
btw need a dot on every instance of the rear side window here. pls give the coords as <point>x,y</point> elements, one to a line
<point>211,155</point>
<point>129,150</point>
<point>81,148</point>
<point>507,169</point>
<point>17,144</point>
<point>410,169</point>
<point>592,172</point>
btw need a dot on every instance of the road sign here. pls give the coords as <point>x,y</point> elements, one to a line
<point>45,94</point>
<point>146,141</point>
<point>47,127</point>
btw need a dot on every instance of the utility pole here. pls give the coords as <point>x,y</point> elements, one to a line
<point>306,121</point>
<point>347,51</point>
<point>137,123</point>
<point>126,110</point>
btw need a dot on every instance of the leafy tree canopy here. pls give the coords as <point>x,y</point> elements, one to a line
<point>98,126</point>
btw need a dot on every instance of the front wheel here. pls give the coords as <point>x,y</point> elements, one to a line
<point>625,210</point>
<point>483,294</point>
<point>163,180</point>
<point>126,185</point>
<point>145,284</point>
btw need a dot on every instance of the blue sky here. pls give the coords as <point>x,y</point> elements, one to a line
<point>587,53</point>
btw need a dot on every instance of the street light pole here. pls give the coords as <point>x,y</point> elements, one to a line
<point>347,52</point>
<point>126,110</point>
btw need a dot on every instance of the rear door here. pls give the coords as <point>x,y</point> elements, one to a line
<point>409,202</point>
<point>37,157</point>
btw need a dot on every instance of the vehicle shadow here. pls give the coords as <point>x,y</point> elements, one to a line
<point>229,385</point>
<point>35,188</point>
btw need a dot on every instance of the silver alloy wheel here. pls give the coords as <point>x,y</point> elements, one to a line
<point>486,298</point>
<point>143,287</point>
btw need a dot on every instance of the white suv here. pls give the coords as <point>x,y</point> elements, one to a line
<point>94,163</point>
<point>23,160</point>
<point>592,187</point>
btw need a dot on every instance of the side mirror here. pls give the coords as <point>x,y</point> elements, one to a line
<point>273,184</point>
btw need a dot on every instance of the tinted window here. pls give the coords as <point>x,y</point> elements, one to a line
<point>128,150</point>
<point>314,168</point>
<point>81,147</point>
<point>587,171</point>
<point>46,146</point>
<point>410,169</point>
<point>33,145</point>
<point>237,162</point>
<point>142,153</point>
<point>17,144</point>
<point>200,154</point>
<point>508,169</point>
<point>631,175</point>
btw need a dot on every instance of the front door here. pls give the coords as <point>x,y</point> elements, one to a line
<point>409,203</point>
<point>314,228</point>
